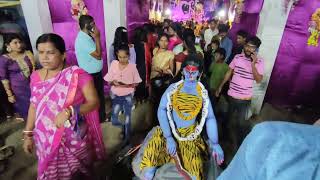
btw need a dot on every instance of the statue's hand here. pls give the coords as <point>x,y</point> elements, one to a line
<point>217,153</point>
<point>171,146</point>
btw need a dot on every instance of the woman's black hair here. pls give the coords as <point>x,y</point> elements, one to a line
<point>189,39</point>
<point>140,35</point>
<point>123,47</point>
<point>177,28</point>
<point>148,28</point>
<point>160,36</point>
<point>7,38</point>
<point>120,38</point>
<point>55,39</point>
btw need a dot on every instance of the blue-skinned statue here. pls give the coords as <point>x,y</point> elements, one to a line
<point>184,111</point>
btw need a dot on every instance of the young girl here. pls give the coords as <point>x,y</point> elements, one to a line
<point>123,78</point>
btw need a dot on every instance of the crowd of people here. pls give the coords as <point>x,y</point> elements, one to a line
<point>62,105</point>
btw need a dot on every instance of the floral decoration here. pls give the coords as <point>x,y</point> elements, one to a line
<point>78,8</point>
<point>314,28</point>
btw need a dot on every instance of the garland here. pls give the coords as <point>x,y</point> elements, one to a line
<point>78,8</point>
<point>314,28</point>
<point>205,104</point>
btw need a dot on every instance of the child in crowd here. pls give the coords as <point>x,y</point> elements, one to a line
<point>209,54</point>
<point>123,78</point>
<point>217,70</point>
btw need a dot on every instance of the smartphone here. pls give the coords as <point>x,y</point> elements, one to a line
<point>90,28</point>
<point>256,51</point>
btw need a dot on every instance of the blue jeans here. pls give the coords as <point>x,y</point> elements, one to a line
<point>122,103</point>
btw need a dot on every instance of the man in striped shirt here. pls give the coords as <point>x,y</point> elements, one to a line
<point>244,69</point>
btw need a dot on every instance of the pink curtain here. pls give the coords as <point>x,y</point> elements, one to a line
<point>67,27</point>
<point>296,75</point>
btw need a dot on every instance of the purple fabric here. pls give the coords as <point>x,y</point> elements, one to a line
<point>19,84</point>
<point>296,74</point>
<point>249,19</point>
<point>137,15</point>
<point>67,27</point>
<point>253,6</point>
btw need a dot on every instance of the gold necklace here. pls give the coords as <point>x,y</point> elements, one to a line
<point>186,105</point>
<point>23,65</point>
<point>47,72</point>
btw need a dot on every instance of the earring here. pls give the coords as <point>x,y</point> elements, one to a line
<point>9,49</point>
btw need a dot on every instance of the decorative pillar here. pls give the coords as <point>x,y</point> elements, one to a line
<point>114,16</point>
<point>273,19</point>
<point>38,19</point>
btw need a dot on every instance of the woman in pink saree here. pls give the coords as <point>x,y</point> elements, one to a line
<point>63,121</point>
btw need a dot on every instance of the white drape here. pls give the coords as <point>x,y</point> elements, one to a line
<point>38,19</point>
<point>273,19</point>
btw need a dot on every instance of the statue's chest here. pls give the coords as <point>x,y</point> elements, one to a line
<point>187,105</point>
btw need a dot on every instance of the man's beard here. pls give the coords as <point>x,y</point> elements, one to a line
<point>247,54</point>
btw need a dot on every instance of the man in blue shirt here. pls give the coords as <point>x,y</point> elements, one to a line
<point>88,53</point>
<point>225,41</point>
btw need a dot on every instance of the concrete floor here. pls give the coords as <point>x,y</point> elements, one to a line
<point>23,167</point>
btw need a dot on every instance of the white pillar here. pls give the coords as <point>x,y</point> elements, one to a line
<point>114,16</point>
<point>38,18</point>
<point>271,27</point>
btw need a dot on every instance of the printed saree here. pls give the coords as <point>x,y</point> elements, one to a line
<point>63,152</point>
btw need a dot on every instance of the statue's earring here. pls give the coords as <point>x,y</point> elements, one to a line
<point>9,49</point>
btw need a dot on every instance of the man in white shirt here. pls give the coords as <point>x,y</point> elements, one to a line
<point>209,33</point>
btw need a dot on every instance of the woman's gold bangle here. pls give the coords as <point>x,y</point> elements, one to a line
<point>67,111</point>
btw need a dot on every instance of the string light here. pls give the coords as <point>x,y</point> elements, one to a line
<point>222,13</point>
<point>167,12</point>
